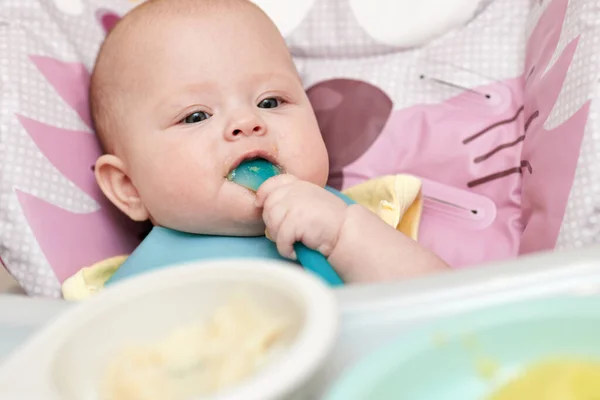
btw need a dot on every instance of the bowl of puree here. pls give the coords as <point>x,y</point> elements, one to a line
<point>226,330</point>
<point>545,349</point>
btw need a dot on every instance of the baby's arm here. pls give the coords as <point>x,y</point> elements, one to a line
<point>369,250</point>
<point>358,244</point>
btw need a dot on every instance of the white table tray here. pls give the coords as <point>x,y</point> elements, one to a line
<point>375,314</point>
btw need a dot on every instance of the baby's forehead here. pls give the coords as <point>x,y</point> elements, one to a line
<point>161,24</point>
<point>159,43</point>
<point>155,14</point>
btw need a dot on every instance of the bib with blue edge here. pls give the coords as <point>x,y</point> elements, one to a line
<point>164,247</point>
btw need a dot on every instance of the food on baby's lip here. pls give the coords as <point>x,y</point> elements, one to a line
<point>253,173</point>
<point>560,379</point>
<point>196,360</point>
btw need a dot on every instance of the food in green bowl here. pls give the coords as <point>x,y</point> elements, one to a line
<point>487,354</point>
<point>560,379</point>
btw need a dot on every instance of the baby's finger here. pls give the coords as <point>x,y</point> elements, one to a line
<point>279,195</point>
<point>273,218</point>
<point>272,184</point>
<point>286,237</point>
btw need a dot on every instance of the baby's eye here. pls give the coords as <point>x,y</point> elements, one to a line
<point>270,102</point>
<point>195,117</point>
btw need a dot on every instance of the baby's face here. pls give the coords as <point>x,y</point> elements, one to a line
<point>205,94</point>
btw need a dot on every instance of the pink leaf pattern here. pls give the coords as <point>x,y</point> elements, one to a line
<point>546,191</point>
<point>71,82</point>
<point>70,240</point>
<point>73,153</point>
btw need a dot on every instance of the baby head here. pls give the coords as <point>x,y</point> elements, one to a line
<point>182,92</point>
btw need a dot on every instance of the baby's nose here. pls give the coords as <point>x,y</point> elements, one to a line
<point>246,127</point>
<point>256,130</point>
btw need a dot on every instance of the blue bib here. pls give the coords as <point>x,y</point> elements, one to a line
<point>164,247</point>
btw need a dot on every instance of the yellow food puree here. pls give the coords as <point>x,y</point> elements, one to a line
<point>554,380</point>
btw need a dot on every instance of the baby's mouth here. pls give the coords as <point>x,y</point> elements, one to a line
<point>251,173</point>
<point>252,156</point>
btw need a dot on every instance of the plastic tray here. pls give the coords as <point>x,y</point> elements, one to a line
<point>374,315</point>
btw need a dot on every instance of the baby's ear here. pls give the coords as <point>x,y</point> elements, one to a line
<point>112,178</point>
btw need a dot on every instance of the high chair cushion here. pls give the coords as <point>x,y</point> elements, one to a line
<point>449,106</point>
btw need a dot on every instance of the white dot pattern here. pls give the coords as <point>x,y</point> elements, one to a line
<point>331,30</point>
<point>581,224</point>
<point>536,11</point>
<point>580,81</point>
<point>73,7</point>
<point>488,49</point>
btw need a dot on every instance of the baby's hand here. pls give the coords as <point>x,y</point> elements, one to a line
<point>299,211</point>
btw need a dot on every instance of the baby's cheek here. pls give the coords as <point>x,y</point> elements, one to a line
<point>183,204</point>
<point>315,165</point>
<point>177,187</point>
<point>319,173</point>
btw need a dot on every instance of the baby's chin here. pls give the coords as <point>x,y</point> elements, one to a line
<point>250,224</point>
<point>246,229</point>
<point>245,221</point>
<point>234,228</point>
<point>256,230</point>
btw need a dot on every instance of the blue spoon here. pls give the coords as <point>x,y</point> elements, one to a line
<point>251,174</point>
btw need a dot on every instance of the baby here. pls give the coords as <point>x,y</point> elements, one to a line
<point>182,92</point>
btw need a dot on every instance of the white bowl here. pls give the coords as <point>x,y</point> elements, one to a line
<point>67,359</point>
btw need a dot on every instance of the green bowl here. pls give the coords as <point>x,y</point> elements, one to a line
<point>466,357</point>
